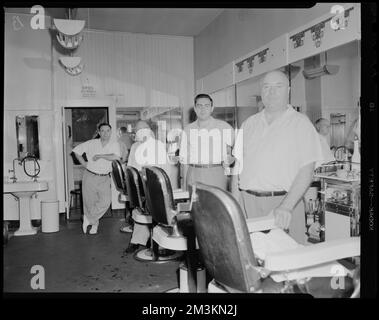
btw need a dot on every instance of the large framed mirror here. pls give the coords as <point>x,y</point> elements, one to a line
<point>27,136</point>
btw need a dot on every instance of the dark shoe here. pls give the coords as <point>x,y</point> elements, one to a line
<point>132,248</point>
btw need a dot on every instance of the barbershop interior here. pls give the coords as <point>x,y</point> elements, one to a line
<point>78,220</point>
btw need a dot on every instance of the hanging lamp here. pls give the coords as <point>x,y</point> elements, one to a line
<point>72,65</point>
<point>69,31</point>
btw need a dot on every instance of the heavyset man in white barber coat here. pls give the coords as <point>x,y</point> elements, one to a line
<point>146,151</point>
<point>278,148</point>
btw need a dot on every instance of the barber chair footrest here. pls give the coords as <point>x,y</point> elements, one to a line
<point>144,255</point>
<point>165,240</point>
<point>141,218</point>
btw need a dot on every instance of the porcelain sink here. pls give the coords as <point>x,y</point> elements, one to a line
<point>25,187</point>
<point>24,191</point>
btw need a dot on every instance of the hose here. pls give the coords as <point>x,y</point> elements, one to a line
<point>35,161</point>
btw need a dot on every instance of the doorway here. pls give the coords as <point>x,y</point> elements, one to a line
<point>79,125</point>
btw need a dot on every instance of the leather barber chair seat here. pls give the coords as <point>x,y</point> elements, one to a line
<point>137,205</point>
<point>254,256</point>
<point>173,229</point>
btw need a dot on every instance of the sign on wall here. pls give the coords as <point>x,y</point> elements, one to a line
<point>269,57</point>
<point>341,25</point>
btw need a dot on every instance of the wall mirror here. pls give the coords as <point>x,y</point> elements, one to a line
<point>27,136</point>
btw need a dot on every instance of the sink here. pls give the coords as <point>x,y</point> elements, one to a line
<point>23,191</point>
<point>25,187</point>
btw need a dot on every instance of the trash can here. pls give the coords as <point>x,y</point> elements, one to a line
<point>50,216</point>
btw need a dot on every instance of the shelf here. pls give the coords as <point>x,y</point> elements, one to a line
<point>333,177</point>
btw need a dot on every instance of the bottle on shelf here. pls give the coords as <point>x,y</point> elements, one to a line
<point>356,158</point>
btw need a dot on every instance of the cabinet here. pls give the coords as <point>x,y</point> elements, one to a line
<point>340,199</point>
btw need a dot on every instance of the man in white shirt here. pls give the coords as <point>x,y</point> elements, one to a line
<point>278,148</point>
<point>322,126</point>
<point>146,151</point>
<point>96,184</point>
<point>205,146</point>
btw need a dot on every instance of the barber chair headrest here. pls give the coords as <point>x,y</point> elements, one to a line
<point>119,176</point>
<point>223,238</point>
<point>159,194</point>
<point>134,188</point>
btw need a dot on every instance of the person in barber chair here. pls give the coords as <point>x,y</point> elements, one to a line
<point>96,184</point>
<point>146,151</point>
<point>276,151</point>
<point>205,146</point>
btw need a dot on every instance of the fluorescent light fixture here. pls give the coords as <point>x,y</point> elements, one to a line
<point>320,71</point>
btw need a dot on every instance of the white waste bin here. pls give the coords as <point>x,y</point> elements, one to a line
<point>50,216</point>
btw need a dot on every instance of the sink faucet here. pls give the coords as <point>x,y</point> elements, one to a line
<point>14,171</point>
<point>35,163</point>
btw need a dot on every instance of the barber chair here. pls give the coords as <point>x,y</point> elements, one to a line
<point>137,204</point>
<point>174,229</point>
<point>254,256</point>
<point>119,180</point>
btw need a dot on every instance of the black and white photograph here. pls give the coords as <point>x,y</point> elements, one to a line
<point>189,150</point>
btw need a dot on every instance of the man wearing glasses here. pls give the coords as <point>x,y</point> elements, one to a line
<point>205,147</point>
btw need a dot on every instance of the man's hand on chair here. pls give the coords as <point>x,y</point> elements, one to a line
<point>282,217</point>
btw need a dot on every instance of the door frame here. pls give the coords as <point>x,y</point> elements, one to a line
<point>112,122</point>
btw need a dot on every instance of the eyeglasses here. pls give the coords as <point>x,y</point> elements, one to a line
<point>203,106</point>
<point>267,87</point>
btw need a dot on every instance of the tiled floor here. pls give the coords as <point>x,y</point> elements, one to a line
<point>75,262</point>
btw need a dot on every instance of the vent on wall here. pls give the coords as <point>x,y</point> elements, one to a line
<point>321,70</point>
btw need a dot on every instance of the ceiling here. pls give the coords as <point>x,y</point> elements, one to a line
<point>167,21</point>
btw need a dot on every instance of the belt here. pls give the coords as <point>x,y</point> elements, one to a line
<point>265,193</point>
<point>206,165</point>
<point>99,174</point>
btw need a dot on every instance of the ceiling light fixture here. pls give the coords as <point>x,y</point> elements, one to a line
<point>72,65</point>
<point>69,32</point>
<point>69,37</point>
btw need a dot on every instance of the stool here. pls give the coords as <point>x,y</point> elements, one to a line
<point>76,195</point>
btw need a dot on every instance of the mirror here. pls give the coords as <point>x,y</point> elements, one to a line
<point>27,136</point>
